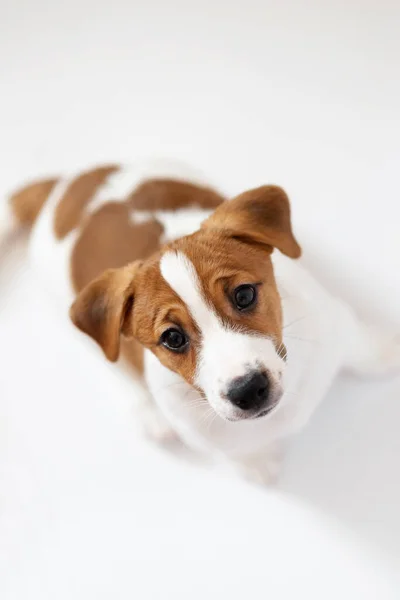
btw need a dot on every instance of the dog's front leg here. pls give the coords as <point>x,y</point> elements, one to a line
<point>264,467</point>
<point>150,421</point>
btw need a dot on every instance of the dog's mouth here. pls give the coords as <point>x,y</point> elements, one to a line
<point>251,417</point>
<point>266,411</point>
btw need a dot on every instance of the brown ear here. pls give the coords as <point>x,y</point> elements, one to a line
<point>100,308</point>
<point>261,215</point>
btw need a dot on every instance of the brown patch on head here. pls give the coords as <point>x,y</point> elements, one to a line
<point>27,202</point>
<point>226,264</point>
<point>134,302</point>
<point>81,190</point>
<point>169,194</point>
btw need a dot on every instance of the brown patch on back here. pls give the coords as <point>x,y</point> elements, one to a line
<point>27,202</point>
<point>109,240</point>
<point>168,194</point>
<point>69,210</point>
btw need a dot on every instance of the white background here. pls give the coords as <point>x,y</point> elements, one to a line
<point>303,94</point>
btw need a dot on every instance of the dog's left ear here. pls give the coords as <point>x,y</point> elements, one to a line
<point>260,216</point>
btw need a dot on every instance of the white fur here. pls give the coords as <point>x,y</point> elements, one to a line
<point>225,353</point>
<point>176,224</point>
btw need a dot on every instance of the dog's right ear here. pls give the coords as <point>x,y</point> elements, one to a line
<point>260,216</point>
<point>101,307</point>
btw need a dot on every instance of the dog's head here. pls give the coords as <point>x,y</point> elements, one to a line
<point>206,305</point>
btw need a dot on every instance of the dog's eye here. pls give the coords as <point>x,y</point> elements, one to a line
<point>174,339</point>
<point>245,296</point>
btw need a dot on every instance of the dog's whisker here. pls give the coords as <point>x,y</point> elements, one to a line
<point>174,383</point>
<point>291,393</point>
<point>296,337</point>
<point>195,404</point>
<point>196,394</point>
<point>195,397</point>
<point>211,422</point>
<point>296,321</point>
<point>281,350</point>
<point>206,416</point>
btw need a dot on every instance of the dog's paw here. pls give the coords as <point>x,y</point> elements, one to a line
<point>374,352</point>
<point>262,469</point>
<point>266,475</point>
<point>155,427</point>
<point>383,359</point>
<point>390,356</point>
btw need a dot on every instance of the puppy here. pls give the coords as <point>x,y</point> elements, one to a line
<point>203,296</point>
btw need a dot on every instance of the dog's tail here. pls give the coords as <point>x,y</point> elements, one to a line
<point>21,208</point>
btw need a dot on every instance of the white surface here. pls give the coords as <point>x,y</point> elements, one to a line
<point>301,94</point>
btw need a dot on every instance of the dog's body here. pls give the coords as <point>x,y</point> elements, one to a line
<point>127,220</point>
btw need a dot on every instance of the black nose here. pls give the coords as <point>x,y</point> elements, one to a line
<point>249,392</point>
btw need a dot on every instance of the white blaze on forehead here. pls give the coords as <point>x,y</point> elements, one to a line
<point>180,274</point>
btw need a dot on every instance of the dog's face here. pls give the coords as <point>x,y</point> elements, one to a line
<point>206,305</point>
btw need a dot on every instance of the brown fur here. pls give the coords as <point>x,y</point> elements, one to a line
<point>27,202</point>
<point>78,194</point>
<point>258,216</point>
<point>168,194</point>
<point>132,355</point>
<point>109,240</point>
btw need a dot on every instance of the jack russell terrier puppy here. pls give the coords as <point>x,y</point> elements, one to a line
<point>204,297</point>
